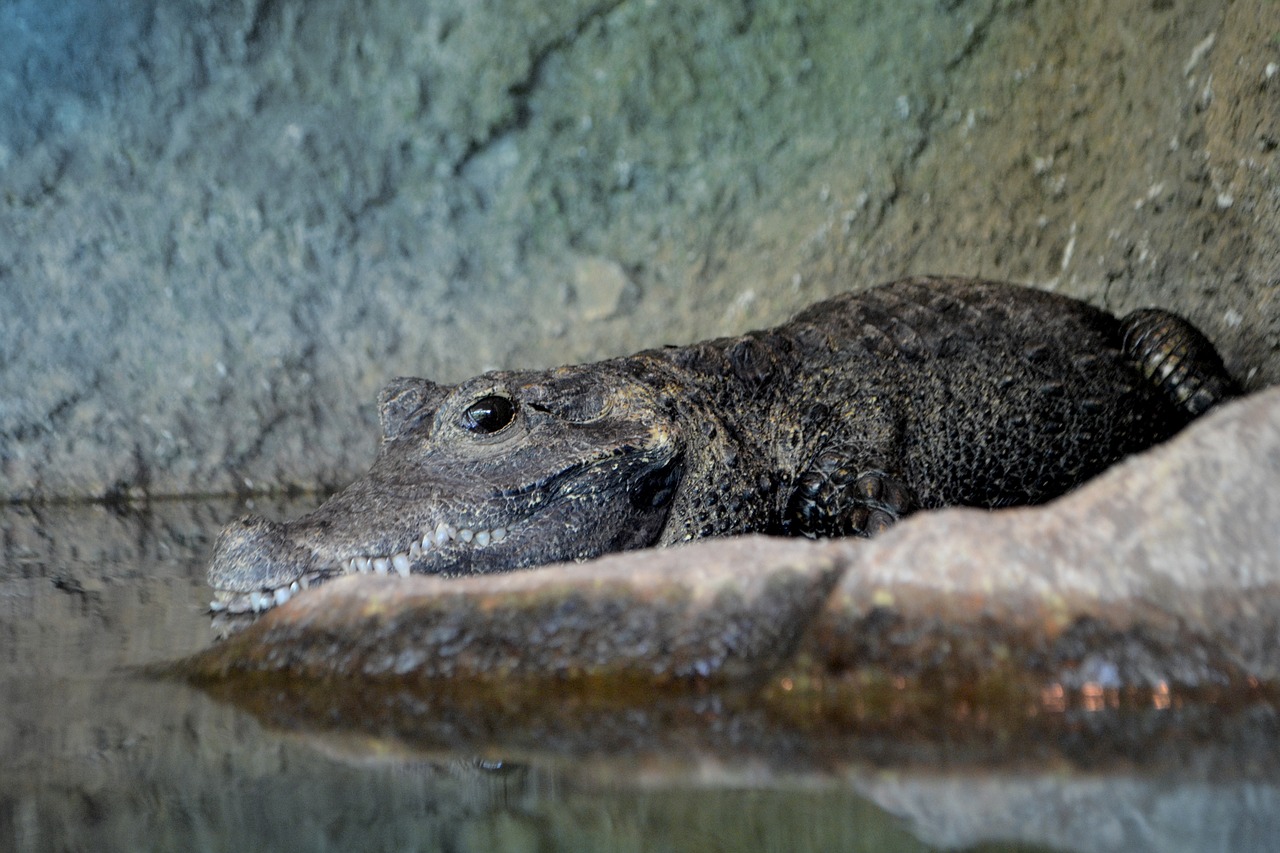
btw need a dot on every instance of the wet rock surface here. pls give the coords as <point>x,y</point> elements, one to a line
<point>1162,575</point>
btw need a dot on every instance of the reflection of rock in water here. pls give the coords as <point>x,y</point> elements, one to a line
<point>1088,814</point>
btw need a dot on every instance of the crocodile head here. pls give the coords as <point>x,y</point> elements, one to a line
<point>501,472</point>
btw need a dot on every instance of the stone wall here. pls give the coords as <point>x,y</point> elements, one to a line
<point>223,225</point>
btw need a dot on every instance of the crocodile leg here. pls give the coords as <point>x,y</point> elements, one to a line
<point>1178,358</point>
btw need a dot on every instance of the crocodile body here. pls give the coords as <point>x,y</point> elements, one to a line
<point>927,392</point>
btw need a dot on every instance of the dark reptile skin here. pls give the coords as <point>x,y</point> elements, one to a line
<point>930,392</point>
<point>927,392</point>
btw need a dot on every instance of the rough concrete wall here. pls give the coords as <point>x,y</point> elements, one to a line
<point>223,225</point>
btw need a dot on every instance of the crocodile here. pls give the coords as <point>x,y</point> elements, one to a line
<point>922,393</point>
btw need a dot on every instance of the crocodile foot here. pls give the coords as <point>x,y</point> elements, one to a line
<point>840,501</point>
<point>878,500</point>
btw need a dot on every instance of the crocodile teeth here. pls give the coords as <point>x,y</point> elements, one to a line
<point>259,601</point>
<point>401,563</point>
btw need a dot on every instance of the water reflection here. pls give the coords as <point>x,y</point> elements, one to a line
<point>97,757</point>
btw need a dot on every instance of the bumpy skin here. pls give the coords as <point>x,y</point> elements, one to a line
<point>927,392</point>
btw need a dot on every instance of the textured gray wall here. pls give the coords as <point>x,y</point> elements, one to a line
<point>223,225</point>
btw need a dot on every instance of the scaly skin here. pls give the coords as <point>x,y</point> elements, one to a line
<point>923,393</point>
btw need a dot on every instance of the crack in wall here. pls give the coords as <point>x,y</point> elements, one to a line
<point>522,90</point>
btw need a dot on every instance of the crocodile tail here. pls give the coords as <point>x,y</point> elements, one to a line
<point>1178,358</point>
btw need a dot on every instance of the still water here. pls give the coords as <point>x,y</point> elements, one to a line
<point>95,755</point>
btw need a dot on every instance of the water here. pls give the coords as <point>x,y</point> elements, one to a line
<point>97,756</point>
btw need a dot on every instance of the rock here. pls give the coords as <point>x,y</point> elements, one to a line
<point>713,611</point>
<point>600,287</point>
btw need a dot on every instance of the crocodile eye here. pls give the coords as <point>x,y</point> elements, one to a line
<point>489,414</point>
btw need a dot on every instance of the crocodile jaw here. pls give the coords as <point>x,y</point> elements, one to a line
<point>257,564</point>
<point>594,508</point>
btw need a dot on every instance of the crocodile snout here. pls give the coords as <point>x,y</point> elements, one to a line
<point>254,557</point>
